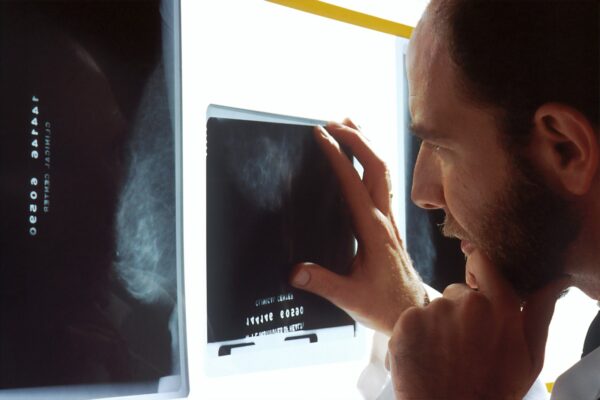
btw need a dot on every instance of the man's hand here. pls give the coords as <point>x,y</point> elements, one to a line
<point>382,282</point>
<point>470,344</point>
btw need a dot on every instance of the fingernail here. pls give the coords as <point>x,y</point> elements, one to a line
<point>301,278</point>
<point>334,124</point>
<point>349,121</point>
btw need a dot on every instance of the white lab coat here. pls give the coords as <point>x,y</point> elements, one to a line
<point>580,382</point>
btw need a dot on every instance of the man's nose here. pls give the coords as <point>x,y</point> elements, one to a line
<point>427,189</point>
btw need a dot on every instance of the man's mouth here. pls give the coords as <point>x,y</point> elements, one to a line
<point>467,248</point>
<point>451,229</point>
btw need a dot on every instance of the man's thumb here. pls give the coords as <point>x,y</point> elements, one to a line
<point>537,314</point>
<point>321,281</point>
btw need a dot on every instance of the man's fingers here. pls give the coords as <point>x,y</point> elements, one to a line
<point>470,279</point>
<point>491,282</point>
<point>455,291</point>
<point>351,137</point>
<point>537,314</point>
<point>376,172</point>
<point>538,309</point>
<point>321,281</point>
<point>355,193</point>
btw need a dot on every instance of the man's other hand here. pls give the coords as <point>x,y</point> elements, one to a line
<point>473,344</point>
<point>382,282</point>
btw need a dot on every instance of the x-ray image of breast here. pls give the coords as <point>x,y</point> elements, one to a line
<point>272,201</point>
<point>89,293</point>
<point>266,172</point>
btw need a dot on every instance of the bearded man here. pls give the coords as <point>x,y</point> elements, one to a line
<point>505,98</point>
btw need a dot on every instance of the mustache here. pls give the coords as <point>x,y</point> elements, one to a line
<point>451,229</point>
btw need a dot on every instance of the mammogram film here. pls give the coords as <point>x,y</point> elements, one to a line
<point>88,250</point>
<point>272,201</point>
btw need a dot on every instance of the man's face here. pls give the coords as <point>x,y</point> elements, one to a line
<point>493,200</point>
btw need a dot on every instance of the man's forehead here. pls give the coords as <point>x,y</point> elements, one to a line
<point>425,46</point>
<point>429,40</point>
<point>438,107</point>
<point>429,75</point>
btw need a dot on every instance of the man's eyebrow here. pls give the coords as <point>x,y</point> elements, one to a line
<point>424,133</point>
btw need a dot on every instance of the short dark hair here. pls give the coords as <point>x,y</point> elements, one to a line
<point>520,54</point>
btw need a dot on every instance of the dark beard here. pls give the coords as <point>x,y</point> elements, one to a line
<point>526,231</point>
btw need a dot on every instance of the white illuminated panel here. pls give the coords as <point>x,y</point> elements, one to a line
<point>261,56</point>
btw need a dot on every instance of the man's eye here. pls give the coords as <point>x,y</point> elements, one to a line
<point>432,146</point>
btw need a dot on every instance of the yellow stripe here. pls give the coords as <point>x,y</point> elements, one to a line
<point>349,16</point>
<point>550,386</point>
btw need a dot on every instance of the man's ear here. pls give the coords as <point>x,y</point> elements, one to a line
<point>566,146</point>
